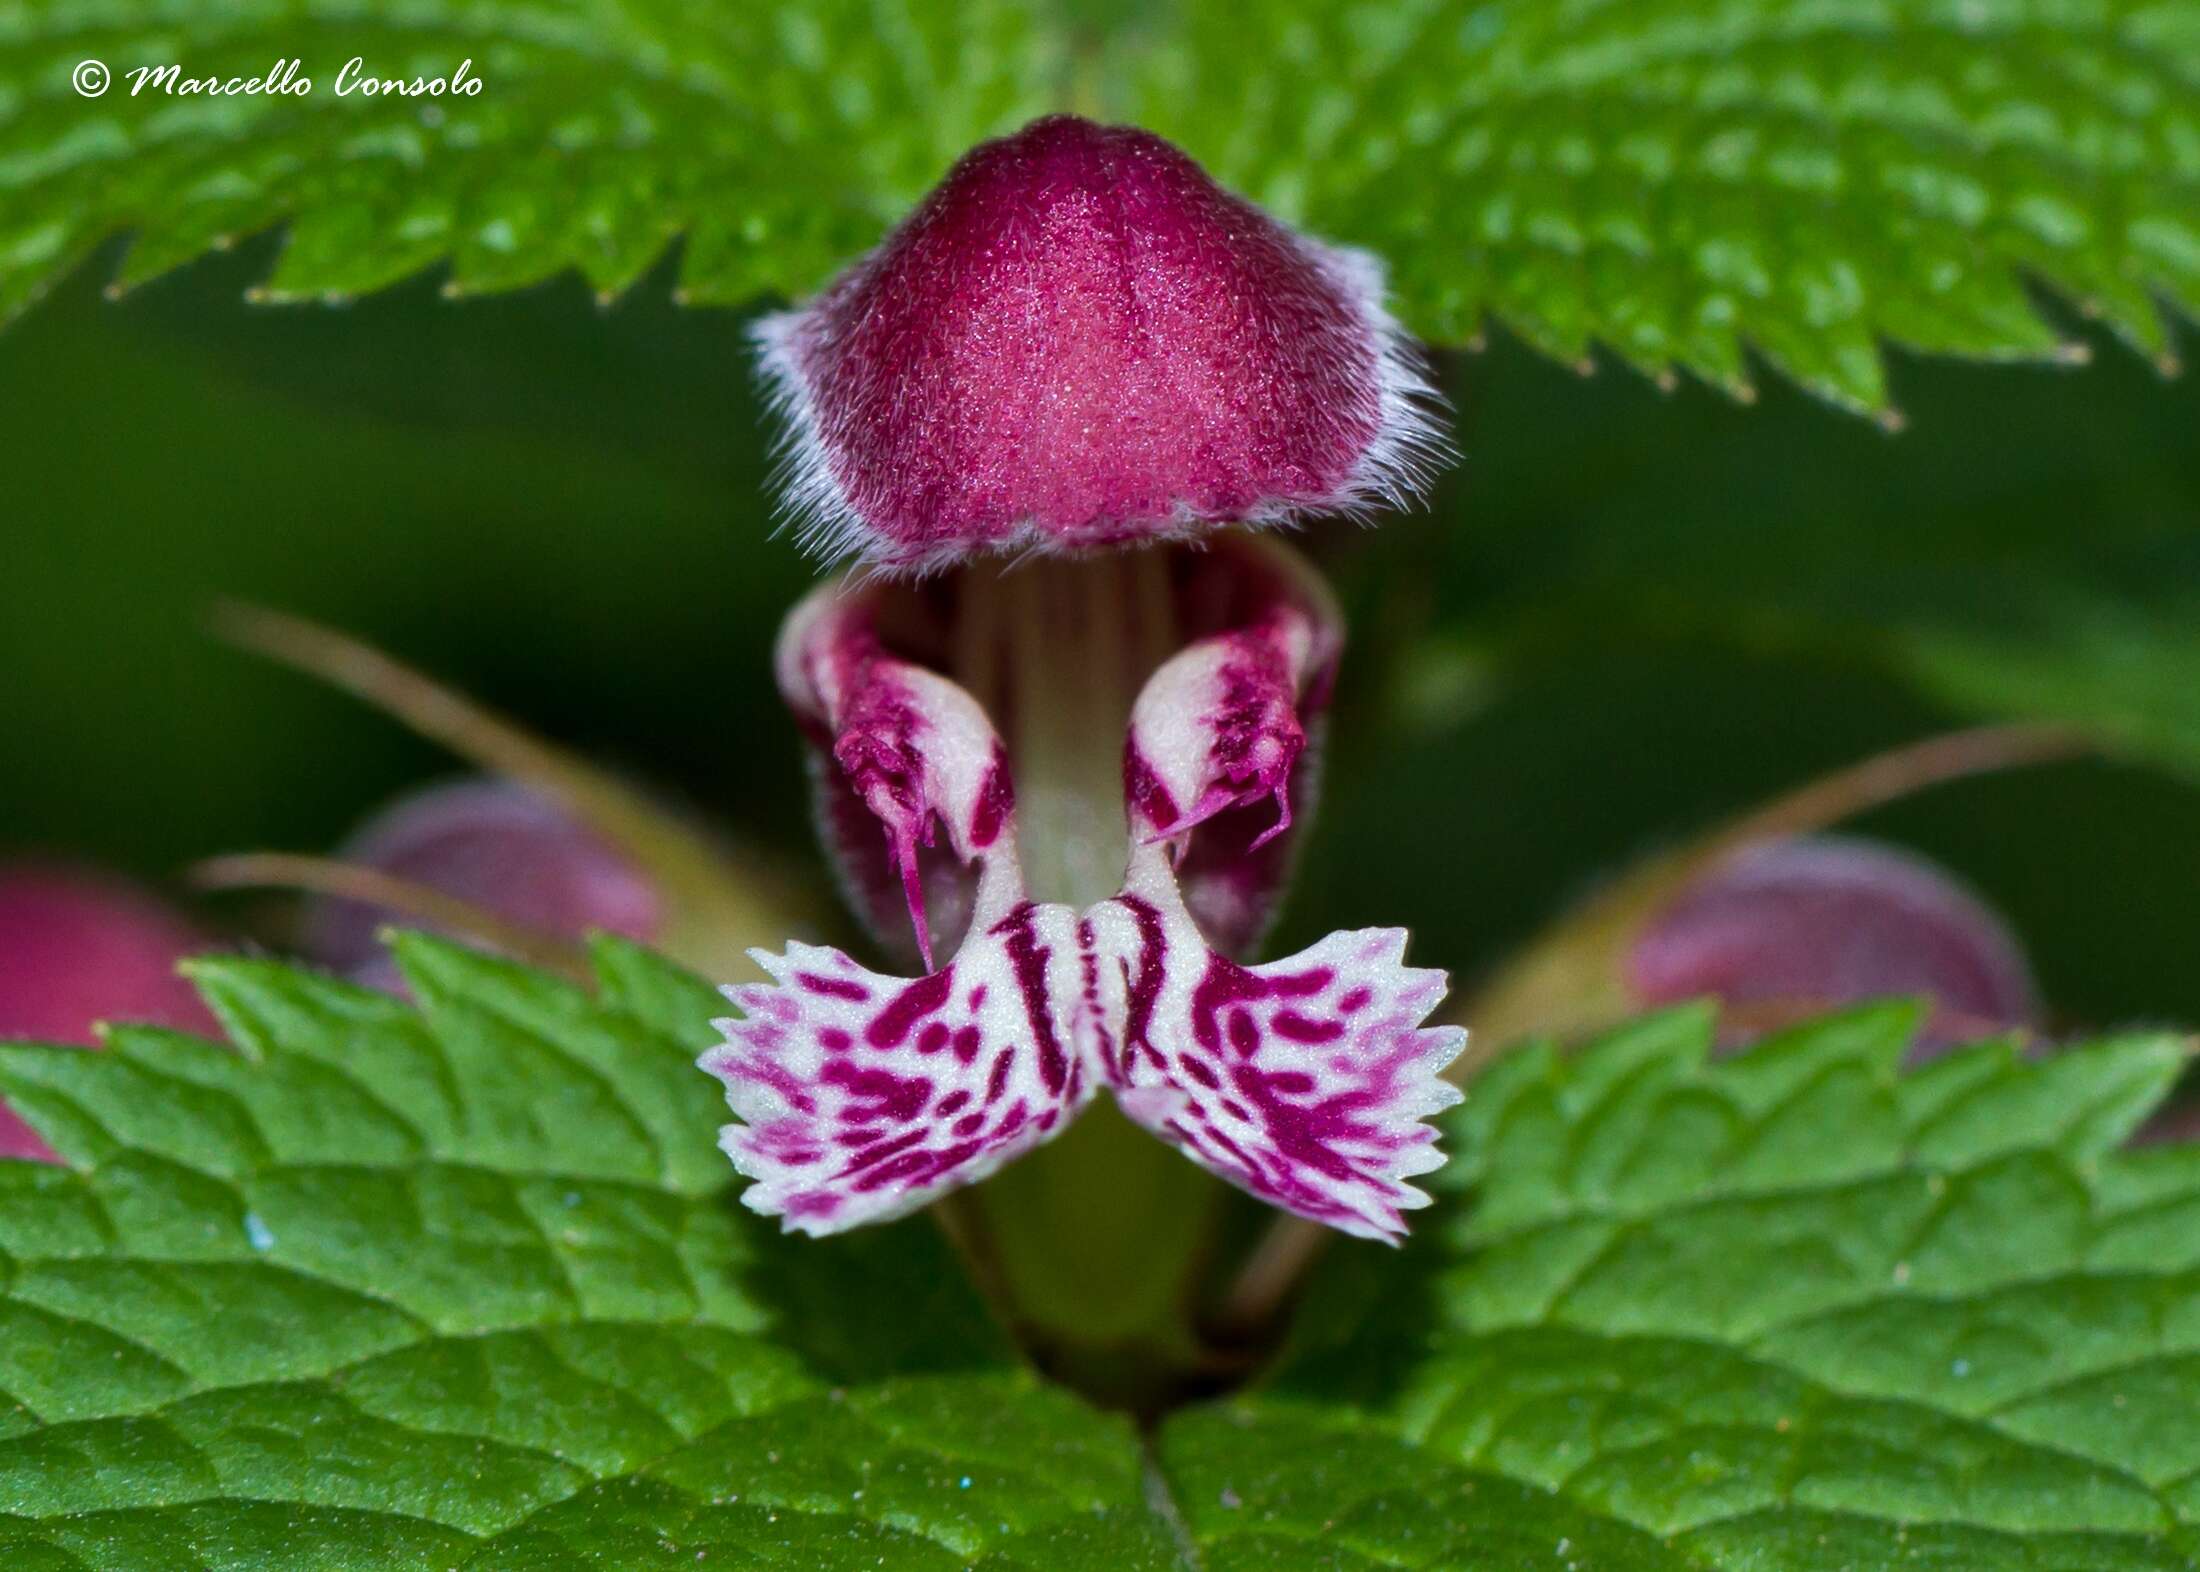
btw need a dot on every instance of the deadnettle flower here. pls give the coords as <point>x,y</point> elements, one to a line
<point>1066,787</point>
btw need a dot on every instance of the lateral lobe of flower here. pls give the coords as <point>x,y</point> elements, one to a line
<point>1222,760</point>
<point>914,748</point>
<point>864,1097</point>
<point>1304,1081</point>
<point>1219,726</point>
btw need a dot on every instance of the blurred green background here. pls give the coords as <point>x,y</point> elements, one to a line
<point>1626,613</point>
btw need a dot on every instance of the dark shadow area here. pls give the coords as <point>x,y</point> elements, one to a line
<point>877,1303</point>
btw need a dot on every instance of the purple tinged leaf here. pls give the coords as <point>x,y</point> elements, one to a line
<point>1819,921</point>
<point>1080,340</point>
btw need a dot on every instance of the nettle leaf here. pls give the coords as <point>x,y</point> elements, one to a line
<point>378,1287</point>
<point>774,140</point>
<point>1677,181</point>
<point>1796,1309</point>
<point>465,1286</point>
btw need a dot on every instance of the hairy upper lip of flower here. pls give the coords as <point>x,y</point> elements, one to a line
<point>1080,341</point>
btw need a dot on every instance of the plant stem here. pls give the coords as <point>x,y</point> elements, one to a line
<point>1271,1274</point>
<point>405,897</point>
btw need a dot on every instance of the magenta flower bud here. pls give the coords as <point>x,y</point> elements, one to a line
<point>1077,340</point>
<point>1820,921</point>
<point>77,948</point>
<point>496,846</point>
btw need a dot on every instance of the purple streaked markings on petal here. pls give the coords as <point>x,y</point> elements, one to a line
<point>878,1151</point>
<point>986,1091</point>
<point>1304,1081</point>
<point>996,804</point>
<point>1217,727</point>
<point>891,1027</point>
<point>1199,1070</point>
<point>838,987</point>
<point>909,746</point>
<point>1029,958</point>
<point>1145,791</point>
<point>914,789</point>
<point>899,1098</point>
<point>1309,1106</point>
<point>765,1071</point>
<point>1301,1029</point>
<point>813,1205</point>
<point>1092,1016</point>
<point>867,872</point>
<point>1224,735</point>
<point>1143,988</point>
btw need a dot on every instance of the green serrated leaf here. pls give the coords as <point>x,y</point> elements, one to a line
<point>1679,183</point>
<point>467,1286</point>
<point>777,140</point>
<point>1792,1310</point>
<point>363,1296</point>
<point>1282,1488</point>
